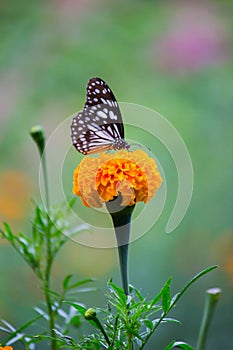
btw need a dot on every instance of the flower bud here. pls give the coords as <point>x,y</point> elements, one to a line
<point>90,314</point>
<point>37,134</point>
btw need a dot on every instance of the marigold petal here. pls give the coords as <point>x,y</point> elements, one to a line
<point>133,174</point>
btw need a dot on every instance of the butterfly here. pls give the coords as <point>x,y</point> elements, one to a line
<point>99,126</point>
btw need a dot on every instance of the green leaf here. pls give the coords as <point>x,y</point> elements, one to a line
<point>179,345</point>
<point>119,292</point>
<point>75,321</point>
<point>182,345</point>
<point>8,234</point>
<point>78,307</point>
<point>51,292</point>
<point>7,324</point>
<point>42,313</point>
<point>5,330</point>
<point>72,202</point>
<point>38,219</point>
<point>66,281</point>
<point>80,283</point>
<point>149,324</point>
<point>82,310</point>
<point>160,294</point>
<point>17,332</point>
<point>133,332</point>
<point>41,218</point>
<point>166,298</point>
<point>170,345</point>
<point>65,338</point>
<point>136,291</point>
<point>170,320</point>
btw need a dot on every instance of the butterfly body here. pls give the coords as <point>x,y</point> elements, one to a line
<point>99,127</point>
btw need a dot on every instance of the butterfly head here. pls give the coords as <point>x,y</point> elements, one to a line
<point>119,144</point>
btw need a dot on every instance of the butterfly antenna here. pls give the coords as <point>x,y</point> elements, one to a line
<point>138,145</point>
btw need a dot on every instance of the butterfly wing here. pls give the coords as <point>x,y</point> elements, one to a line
<point>100,123</point>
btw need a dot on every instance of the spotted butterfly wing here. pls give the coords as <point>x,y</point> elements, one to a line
<point>99,126</point>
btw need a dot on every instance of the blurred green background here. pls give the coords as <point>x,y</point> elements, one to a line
<point>174,57</point>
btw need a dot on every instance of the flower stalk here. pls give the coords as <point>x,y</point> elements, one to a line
<point>121,218</point>
<point>90,315</point>
<point>212,297</point>
<point>37,134</point>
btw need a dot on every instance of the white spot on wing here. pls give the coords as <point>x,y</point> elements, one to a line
<point>101,114</point>
<point>112,115</point>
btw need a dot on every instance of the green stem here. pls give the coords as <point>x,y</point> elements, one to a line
<point>48,267</point>
<point>130,342</point>
<point>123,259</point>
<point>46,182</point>
<point>115,333</point>
<point>212,296</point>
<point>90,315</point>
<point>38,136</point>
<point>99,325</point>
<point>121,217</point>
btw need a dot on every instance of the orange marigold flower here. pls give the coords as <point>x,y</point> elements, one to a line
<point>6,348</point>
<point>100,179</point>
